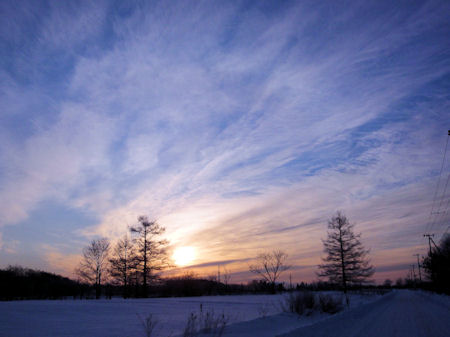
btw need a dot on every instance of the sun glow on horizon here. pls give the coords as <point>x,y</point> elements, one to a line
<point>184,256</point>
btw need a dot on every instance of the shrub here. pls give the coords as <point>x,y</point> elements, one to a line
<point>263,310</point>
<point>190,330</point>
<point>329,304</point>
<point>309,300</point>
<point>148,324</point>
<point>300,303</point>
<point>205,322</point>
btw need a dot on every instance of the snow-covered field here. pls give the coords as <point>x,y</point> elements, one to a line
<point>249,315</point>
<point>118,317</point>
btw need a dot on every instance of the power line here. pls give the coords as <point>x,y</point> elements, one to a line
<point>443,193</point>
<point>446,231</point>
<point>429,239</point>
<point>439,212</point>
<point>435,245</point>
<point>428,227</point>
<point>444,218</point>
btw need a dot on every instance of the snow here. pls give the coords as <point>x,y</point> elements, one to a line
<point>285,322</point>
<point>118,317</point>
<point>399,313</point>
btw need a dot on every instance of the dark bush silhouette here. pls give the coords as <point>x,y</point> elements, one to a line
<point>306,302</point>
<point>437,266</point>
<point>300,303</point>
<point>17,283</point>
<point>329,304</point>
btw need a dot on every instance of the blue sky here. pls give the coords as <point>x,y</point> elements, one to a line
<point>239,126</point>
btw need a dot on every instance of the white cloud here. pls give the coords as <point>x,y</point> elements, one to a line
<point>232,123</point>
<point>56,162</point>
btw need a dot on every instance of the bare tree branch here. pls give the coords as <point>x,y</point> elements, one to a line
<point>93,265</point>
<point>123,263</point>
<point>270,266</point>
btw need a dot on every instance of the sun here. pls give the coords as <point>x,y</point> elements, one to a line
<point>183,256</point>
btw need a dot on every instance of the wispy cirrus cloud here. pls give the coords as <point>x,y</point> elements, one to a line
<point>240,127</point>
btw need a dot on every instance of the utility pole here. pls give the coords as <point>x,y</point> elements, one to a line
<point>418,266</point>
<point>412,273</point>
<point>436,246</point>
<point>429,240</point>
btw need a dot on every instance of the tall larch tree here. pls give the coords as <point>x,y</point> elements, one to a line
<point>346,262</point>
<point>152,256</point>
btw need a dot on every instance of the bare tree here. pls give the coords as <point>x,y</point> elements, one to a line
<point>152,255</point>
<point>270,266</point>
<point>123,263</point>
<point>93,264</point>
<point>346,262</point>
<point>226,276</point>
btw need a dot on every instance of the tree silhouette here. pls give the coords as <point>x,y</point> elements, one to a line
<point>437,265</point>
<point>346,262</point>
<point>152,255</point>
<point>93,264</point>
<point>270,266</point>
<point>226,277</point>
<point>123,263</point>
<point>17,283</point>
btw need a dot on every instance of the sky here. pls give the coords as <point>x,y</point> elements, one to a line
<point>240,126</point>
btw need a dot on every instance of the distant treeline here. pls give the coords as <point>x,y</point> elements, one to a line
<point>18,283</point>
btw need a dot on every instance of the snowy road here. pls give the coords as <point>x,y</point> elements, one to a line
<point>401,313</point>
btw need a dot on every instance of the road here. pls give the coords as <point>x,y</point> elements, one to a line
<point>399,314</point>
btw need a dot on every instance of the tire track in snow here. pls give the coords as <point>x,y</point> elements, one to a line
<point>404,313</point>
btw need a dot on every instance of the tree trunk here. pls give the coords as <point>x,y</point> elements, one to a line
<point>97,291</point>
<point>144,290</point>
<point>344,279</point>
